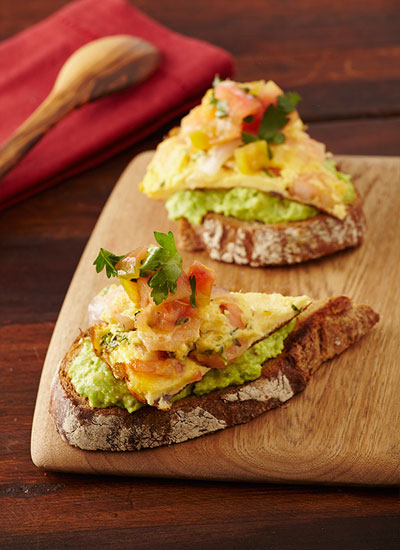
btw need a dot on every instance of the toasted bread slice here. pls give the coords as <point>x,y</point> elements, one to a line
<point>322,331</point>
<point>259,244</point>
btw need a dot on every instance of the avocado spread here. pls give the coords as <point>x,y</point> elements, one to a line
<point>248,366</point>
<point>240,202</point>
<point>92,378</point>
<point>248,204</point>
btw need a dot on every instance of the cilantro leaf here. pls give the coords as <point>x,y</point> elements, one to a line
<point>274,119</point>
<point>287,102</point>
<point>192,281</point>
<point>249,138</point>
<point>163,263</point>
<point>108,260</point>
<point>166,265</point>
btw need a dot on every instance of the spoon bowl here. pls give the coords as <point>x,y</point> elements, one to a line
<point>99,68</point>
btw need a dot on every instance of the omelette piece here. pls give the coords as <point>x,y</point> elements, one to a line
<point>229,325</point>
<point>248,135</point>
<point>163,329</point>
<point>151,377</point>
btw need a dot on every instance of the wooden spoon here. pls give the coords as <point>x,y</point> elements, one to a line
<point>96,69</point>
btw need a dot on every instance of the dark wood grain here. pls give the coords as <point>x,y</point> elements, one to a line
<point>344,58</point>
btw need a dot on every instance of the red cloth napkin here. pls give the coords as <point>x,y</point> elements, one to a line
<point>29,64</point>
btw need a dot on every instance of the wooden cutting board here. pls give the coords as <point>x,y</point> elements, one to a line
<point>344,428</point>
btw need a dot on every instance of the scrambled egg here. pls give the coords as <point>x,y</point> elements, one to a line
<point>122,350</point>
<point>119,350</point>
<point>296,169</point>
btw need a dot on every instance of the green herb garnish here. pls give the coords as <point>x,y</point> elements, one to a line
<point>110,340</point>
<point>295,308</point>
<point>269,174</point>
<point>274,119</point>
<point>166,262</point>
<point>192,281</point>
<point>163,263</point>
<point>108,260</point>
<point>221,104</point>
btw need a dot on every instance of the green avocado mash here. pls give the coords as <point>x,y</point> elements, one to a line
<point>350,194</point>
<point>248,366</point>
<point>240,202</point>
<point>92,378</point>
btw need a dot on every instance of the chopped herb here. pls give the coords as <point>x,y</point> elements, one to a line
<point>221,354</point>
<point>274,119</point>
<point>221,104</point>
<point>216,80</point>
<point>234,330</point>
<point>161,184</point>
<point>207,351</point>
<point>181,321</point>
<point>295,308</point>
<point>269,174</point>
<point>288,101</point>
<point>110,340</point>
<point>249,138</point>
<point>108,260</point>
<point>236,342</point>
<point>222,108</point>
<point>192,281</point>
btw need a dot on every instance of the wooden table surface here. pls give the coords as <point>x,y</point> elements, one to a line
<point>343,57</point>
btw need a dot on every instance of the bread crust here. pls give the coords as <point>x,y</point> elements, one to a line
<point>322,332</point>
<point>259,244</point>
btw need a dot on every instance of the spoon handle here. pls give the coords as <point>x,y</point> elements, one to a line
<point>49,112</point>
<point>98,68</point>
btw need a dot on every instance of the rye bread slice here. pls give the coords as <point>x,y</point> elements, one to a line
<point>259,244</point>
<point>324,330</point>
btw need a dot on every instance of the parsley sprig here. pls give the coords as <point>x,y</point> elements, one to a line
<point>163,263</point>
<point>108,260</point>
<point>274,119</point>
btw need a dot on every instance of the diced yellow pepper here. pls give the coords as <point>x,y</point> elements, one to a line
<point>252,157</point>
<point>199,140</point>
<point>131,290</point>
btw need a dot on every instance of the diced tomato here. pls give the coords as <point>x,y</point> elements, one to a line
<point>234,313</point>
<point>274,170</point>
<point>205,279</point>
<point>166,316</point>
<point>253,126</point>
<point>166,368</point>
<point>183,290</point>
<point>266,96</point>
<point>240,103</point>
<point>131,263</point>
